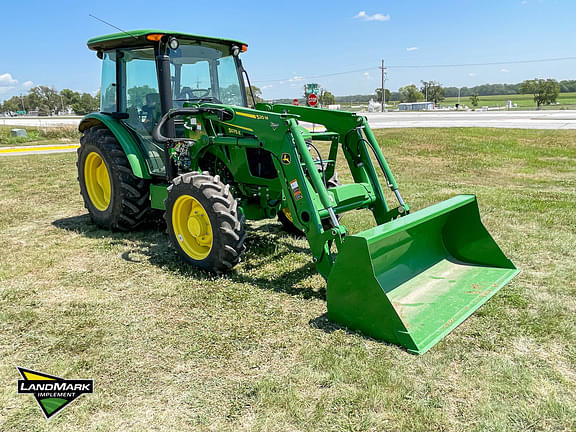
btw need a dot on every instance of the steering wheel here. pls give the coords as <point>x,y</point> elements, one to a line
<point>188,93</point>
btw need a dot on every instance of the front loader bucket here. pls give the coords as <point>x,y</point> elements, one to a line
<point>413,280</point>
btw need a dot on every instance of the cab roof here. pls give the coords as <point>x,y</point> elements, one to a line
<point>134,38</point>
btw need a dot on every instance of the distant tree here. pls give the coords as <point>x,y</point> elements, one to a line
<point>545,91</point>
<point>326,98</point>
<point>45,99</point>
<point>433,90</point>
<point>86,104</point>
<point>474,100</point>
<point>257,92</point>
<point>378,92</point>
<point>567,86</point>
<point>410,93</point>
<point>12,105</point>
<point>69,97</point>
<point>483,90</point>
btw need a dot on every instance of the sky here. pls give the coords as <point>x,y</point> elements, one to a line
<point>338,44</point>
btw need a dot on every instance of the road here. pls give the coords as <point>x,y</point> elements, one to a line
<point>547,119</point>
<point>39,121</point>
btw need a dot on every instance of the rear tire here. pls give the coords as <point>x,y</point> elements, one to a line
<point>115,198</point>
<point>203,222</point>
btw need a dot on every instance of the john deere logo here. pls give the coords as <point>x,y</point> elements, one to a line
<point>51,392</point>
<point>286,158</point>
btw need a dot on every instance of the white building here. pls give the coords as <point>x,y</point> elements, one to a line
<point>416,106</point>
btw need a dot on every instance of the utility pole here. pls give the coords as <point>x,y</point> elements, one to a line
<point>383,99</point>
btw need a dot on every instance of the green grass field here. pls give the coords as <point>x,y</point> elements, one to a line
<point>172,348</point>
<point>524,101</point>
<point>50,135</point>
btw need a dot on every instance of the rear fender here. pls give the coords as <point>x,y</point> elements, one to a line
<point>126,140</point>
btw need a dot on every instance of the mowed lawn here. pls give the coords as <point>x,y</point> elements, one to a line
<point>173,348</point>
<point>523,101</point>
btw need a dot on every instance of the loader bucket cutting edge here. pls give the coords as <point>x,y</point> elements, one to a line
<point>413,280</point>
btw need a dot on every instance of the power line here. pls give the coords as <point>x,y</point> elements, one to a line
<point>367,69</point>
<point>318,76</point>
<point>483,64</point>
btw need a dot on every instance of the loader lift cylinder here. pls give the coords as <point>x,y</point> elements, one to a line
<point>315,178</point>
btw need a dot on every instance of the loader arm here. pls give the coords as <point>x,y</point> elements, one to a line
<point>409,280</point>
<point>303,189</point>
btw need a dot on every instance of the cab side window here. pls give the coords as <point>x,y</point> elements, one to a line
<point>142,95</point>
<point>108,84</point>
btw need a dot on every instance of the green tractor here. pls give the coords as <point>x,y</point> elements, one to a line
<point>176,134</point>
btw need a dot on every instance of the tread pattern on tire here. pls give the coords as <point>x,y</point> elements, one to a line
<point>130,201</point>
<point>227,222</point>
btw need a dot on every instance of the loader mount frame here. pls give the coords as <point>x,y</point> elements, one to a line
<point>299,186</point>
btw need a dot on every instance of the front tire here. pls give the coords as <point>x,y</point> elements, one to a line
<point>115,198</point>
<point>203,222</point>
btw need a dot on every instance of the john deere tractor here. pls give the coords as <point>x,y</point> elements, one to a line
<point>176,134</point>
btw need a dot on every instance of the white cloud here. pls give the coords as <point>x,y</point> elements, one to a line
<point>472,74</point>
<point>27,84</point>
<point>266,87</point>
<point>412,49</point>
<point>6,80</point>
<point>376,17</point>
<point>4,90</point>
<point>296,78</point>
<point>504,70</point>
<point>524,2</point>
<point>367,75</point>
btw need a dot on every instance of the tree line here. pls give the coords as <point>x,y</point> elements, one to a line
<point>565,86</point>
<point>49,101</point>
<point>437,93</point>
<point>544,92</point>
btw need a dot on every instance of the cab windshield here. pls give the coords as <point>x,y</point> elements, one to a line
<point>205,73</point>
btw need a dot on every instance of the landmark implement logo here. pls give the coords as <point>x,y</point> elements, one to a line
<point>51,392</point>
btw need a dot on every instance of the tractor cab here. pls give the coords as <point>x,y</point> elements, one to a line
<point>146,73</point>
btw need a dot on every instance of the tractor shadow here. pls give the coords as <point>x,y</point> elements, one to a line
<point>265,243</point>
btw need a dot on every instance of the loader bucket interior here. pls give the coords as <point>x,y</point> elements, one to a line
<point>413,280</point>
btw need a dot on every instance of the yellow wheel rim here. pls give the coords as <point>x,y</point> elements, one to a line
<point>97,180</point>
<point>192,227</point>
